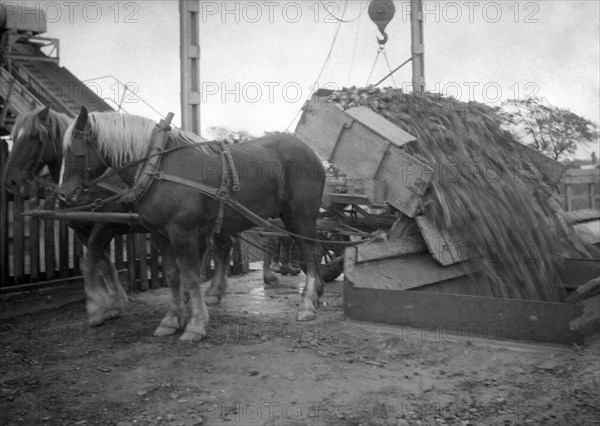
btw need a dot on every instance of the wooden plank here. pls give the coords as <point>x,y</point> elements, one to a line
<point>49,252</point>
<point>340,139</point>
<point>155,281</point>
<point>18,240</point>
<point>381,126</point>
<point>34,249</point>
<point>441,244</point>
<point>63,249</point>
<point>550,169</point>
<point>4,269</point>
<point>580,176</point>
<point>455,316</point>
<point>329,198</point>
<point>131,263</point>
<point>583,215</point>
<point>568,197</point>
<point>320,125</point>
<point>366,269</point>
<point>77,254</point>
<point>575,272</point>
<point>141,248</point>
<point>373,190</point>
<point>589,289</point>
<point>589,321</point>
<point>589,232</point>
<point>366,252</point>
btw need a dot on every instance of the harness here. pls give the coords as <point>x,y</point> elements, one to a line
<point>149,172</point>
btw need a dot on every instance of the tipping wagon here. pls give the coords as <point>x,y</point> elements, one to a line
<point>416,275</point>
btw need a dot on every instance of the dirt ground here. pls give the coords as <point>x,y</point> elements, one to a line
<point>258,366</point>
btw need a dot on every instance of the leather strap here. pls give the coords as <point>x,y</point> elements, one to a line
<point>218,195</point>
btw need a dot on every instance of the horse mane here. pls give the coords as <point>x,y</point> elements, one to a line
<point>122,138</point>
<point>28,123</point>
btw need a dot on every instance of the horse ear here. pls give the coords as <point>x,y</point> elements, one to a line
<point>44,114</point>
<point>82,119</point>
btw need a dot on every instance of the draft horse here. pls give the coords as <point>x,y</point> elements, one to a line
<point>279,177</point>
<point>37,142</point>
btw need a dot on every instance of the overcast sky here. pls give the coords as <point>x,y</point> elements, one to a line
<point>260,59</point>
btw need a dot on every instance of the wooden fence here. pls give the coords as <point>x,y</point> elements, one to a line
<point>580,189</point>
<point>40,252</point>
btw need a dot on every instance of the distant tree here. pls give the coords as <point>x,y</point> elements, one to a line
<point>551,130</point>
<point>229,136</point>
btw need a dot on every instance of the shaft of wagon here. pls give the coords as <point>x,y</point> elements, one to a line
<point>130,218</point>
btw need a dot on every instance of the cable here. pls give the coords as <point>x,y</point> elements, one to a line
<point>341,19</point>
<point>337,32</point>
<point>354,48</point>
<point>389,67</point>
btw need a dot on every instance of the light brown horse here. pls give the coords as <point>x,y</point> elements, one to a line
<point>279,176</point>
<point>37,142</point>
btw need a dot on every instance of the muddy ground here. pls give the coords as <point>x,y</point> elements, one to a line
<point>258,366</point>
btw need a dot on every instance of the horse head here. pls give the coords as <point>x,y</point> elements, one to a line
<point>36,139</point>
<point>82,160</point>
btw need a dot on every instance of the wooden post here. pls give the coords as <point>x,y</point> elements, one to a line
<point>189,39</point>
<point>3,216</point>
<point>34,245</point>
<point>417,46</point>
<point>63,250</point>
<point>130,243</point>
<point>18,239</point>
<point>592,195</point>
<point>568,198</point>
<point>141,241</point>
<point>49,260</point>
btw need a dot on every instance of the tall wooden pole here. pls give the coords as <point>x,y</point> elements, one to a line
<point>189,56</point>
<point>417,46</point>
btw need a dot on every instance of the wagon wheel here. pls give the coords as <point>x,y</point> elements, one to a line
<point>332,256</point>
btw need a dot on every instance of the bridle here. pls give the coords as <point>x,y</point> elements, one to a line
<point>82,137</point>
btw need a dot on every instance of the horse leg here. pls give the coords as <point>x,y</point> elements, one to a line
<point>218,286</point>
<point>301,221</point>
<point>176,316</point>
<point>97,298</point>
<point>287,262</point>
<point>189,248</point>
<point>269,276</point>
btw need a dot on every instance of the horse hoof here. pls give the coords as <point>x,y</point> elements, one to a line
<point>270,278</point>
<point>164,331</point>
<point>96,322</point>
<point>111,314</point>
<point>212,300</point>
<point>305,316</point>
<point>289,270</point>
<point>192,336</point>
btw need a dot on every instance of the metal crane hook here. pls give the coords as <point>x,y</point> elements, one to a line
<point>381,13</point>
